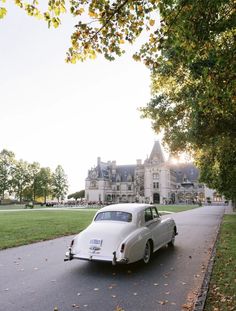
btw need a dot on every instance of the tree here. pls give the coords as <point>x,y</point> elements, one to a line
<point>103,27</point>
<point>20,178</point>
<point>59,183</point>
<point>44,183</point>
<point>34,170</point>
<point>77,195</point>
<point>7,159</point>
<point>221,175</point>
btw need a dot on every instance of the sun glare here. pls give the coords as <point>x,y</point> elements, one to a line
<point>181,158</point>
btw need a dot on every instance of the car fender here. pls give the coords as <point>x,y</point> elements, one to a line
<point>135,244</point>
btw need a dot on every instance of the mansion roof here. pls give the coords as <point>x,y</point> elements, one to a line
<point>184,172</point>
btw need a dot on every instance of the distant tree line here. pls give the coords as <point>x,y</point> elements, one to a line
<point>77,195</point>
<point>30,181</point>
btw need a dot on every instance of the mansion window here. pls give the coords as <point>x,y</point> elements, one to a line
<point>118,188</point>
<point>156,185</point>
<point>155,176</point>
<point>129,178</point>
<point>93,184</point>
<point>129,188</point>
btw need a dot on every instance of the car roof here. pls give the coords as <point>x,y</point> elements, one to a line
<point>125,207</point>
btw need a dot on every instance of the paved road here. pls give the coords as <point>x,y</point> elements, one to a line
<point>35,278</point>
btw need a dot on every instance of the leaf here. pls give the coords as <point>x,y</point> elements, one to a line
<point>93,15</point>
<point>151,22</point>
<point>136,57</point>
<point>75,306</point>
<point>162,302</point>
<point>3,12</point>
<point>186,307</point>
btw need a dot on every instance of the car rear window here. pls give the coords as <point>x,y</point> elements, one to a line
<point>114,216</point>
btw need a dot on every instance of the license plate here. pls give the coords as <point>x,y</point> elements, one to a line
<point>96,242</point>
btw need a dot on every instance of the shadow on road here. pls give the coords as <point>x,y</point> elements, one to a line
<point>102,269</point>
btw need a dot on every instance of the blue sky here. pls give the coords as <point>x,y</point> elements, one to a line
<point>57,113</point>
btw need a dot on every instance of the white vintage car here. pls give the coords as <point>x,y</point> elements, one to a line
<point>123,233</point>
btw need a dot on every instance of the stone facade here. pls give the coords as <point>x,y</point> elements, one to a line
<point>154,181</point>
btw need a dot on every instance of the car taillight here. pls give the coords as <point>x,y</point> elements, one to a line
<point>122,247</point>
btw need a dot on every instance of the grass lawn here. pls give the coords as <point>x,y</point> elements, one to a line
<point>28,226</point>
<point>175,208</point>
<point>13,206</point>
<point>24,227</point>
<point>222,289</point>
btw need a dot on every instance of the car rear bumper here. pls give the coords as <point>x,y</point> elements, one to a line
<point>95,257</point>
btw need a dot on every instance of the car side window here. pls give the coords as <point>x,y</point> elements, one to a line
<point>148,214</point>
<point>155,212</point>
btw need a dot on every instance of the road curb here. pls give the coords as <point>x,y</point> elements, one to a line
<point>201,299</point>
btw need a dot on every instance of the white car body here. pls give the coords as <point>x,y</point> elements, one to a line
<point>123,233</point>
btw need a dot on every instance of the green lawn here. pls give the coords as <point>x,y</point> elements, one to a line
<point>28,226</point>
<point>176,208</point>
<point>13,206</point>
<point>24,227</point>
<point>222,289</point>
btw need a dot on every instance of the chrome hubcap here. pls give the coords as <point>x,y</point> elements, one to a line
<point>147,252</point>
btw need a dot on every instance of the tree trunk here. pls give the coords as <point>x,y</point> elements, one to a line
<point>45,197</point>
<point>234,204</point>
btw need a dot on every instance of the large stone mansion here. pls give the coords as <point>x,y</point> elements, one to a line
<point>154,181</point>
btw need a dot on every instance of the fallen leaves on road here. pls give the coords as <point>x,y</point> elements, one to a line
<point>191,298</point>
<point>187,307</point>
<point>162,302</point>
<point>75,306</point>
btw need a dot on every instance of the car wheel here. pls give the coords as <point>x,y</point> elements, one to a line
<point>147,252</point>
<point>172,241</point>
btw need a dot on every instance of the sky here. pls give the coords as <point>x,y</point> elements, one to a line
<point>56,113</point>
